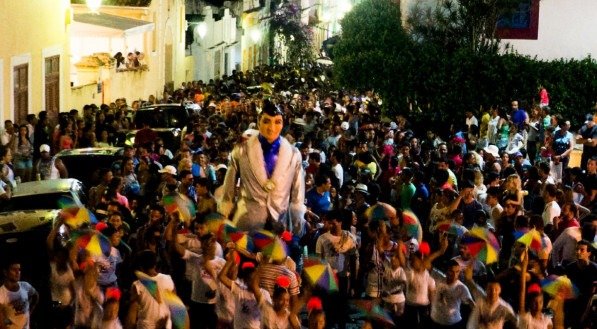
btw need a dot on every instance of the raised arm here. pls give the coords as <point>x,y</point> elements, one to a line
<point>223,276</point>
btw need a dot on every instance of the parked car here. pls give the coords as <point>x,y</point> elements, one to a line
<point>25,222</point>
<point>168,120</point>
<point>84,164</point>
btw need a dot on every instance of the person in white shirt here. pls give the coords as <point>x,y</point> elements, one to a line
<point>552,208</point>
<point>490,311</point>
<point>450,292</point>
<point>17,298</point>
<point>148,311</point>
<point>335,158</point>
<point>203,268</point>
<point>250,300</point>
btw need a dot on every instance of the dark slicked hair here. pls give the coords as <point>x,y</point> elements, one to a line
<point>270,109</point>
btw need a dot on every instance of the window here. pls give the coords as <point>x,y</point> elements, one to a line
<point>52,72</point>
<point>21,93</point>
<point>522,23</point>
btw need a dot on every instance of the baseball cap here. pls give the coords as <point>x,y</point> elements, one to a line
<point>44,148</point>
<point>493,150</point>
<point>169,170</point>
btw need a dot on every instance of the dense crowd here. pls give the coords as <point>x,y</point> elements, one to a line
<point>501,171</point>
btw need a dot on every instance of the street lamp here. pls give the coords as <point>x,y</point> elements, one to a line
<point>255,35</point>
<point>201,29</point>
<point>94,5</point>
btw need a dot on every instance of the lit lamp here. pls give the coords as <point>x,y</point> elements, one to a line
<point>94,5</point>
<point>201,30</point>
<point>255,35</point>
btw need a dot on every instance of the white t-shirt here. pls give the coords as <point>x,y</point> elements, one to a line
<point>445,309</point>
<point>487,316</point>
<point>527,321</point>
<point>150,311</point>
<point>418,285</point>
<point>204,287</point>
<point>336,249</point>
<point>393,283</point>
<point>247,313</point>
<point>225,304</point>
<point>339,173</point>
<point>551,210</point>
<point>60,284</point>
<point>17,304</point>
<point>107,267</point>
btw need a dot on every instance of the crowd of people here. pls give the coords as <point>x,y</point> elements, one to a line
<point>362,178</point>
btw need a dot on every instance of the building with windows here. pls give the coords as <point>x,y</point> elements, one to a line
<point>69,55</point>
<point>34,58</point>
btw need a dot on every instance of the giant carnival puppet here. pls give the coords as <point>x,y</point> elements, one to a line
<point>268,172</point>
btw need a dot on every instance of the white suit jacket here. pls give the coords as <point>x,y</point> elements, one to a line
<point>281,197</point>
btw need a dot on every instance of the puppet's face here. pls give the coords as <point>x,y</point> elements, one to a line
<point>270,127</point>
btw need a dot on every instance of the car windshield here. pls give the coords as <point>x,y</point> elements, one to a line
<point>34,202</point>
<point>162,117</point>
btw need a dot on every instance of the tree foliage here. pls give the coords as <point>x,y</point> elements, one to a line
<point>297,37</point>
<point>373,49</point>
<point>455,24</point>
<point>447,61</point>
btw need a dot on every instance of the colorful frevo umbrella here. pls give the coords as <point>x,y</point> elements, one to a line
<point>76,217</point>
<point>374,312</point>
<point>380,211</point>
<point>181,204</point>
<point>93,241</point>
<point>263,238</point>
<point>482,244</point>
<point>150,284</point>
<point>532,239</point>
<point>412,225</point>
<point>451,228</point>
<point>559,286</point>
<point>178,311</point>
<point>277,250</point>
<point>242,240</point>
<point>320,274</point>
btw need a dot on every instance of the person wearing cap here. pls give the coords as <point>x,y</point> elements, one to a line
<point>48,166</point>
<point>168,180</point>
<point>272,186</point>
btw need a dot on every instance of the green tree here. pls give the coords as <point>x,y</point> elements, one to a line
<point>373,52</point>
<point>455,24</point>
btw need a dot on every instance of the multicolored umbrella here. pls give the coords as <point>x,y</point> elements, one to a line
<point>374,312</point>
<point>181,204</point>
<point>263,238</point>
<point>228,232</point>
<point>411,225</point>
<point>532,239</point>
<point>380,211</point>
<point>559,286</point>
<point>76,217</point>
<point>150,284</point>
<point>242,240</point>
<point>320,274</point>
<point>451,228</point>
<point>178,311</point>
<point>482,244</point>
<point>93,241</point>
<point>277,250</point>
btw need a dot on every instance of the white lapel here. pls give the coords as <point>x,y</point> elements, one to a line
<point>256,161</point>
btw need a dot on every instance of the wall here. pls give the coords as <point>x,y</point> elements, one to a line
<point>30,36</point>
<point>220,39</point>
<point>566,30</point>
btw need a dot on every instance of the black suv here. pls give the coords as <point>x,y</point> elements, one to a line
<point>168,120</point>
